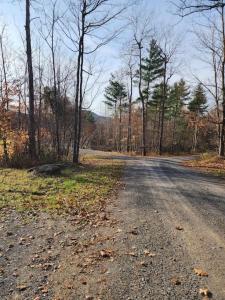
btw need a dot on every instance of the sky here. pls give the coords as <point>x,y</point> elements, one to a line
<point>12,14</point>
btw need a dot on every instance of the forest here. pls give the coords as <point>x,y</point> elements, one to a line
<point>49,84</point>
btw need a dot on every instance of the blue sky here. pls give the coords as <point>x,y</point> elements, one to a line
<point>12,14</point>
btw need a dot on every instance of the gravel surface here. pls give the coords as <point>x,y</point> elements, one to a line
<point>160,198</point>
<point>166,221</point>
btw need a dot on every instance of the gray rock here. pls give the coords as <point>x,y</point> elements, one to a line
<point>50,169</point>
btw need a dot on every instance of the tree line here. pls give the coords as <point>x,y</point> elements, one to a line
<point>168,112</point>
<point>48,86</point>
<point>45,85</point>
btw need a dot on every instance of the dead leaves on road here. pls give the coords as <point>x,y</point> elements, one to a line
<point>205,292</point>
<point>106,253</point>
<point>134,232</point>
<point>200,272</point>
<point>180,228</point>
<point>133,254</point>
<point>22,287</point>
<point>148,253</point>
<point>176,281</point>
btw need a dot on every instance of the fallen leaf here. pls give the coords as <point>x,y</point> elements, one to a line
<point>84,282</point>
<point>179,228</point>
<point>148,253</point>
<point>205,292</point>
<point>175,281</point>
<point>69,286</point>
<point>2,271</point>
<point>143,263</point>
<point>57,233</point>
<point>106,253</point>
<point>22,287</point>
<point>44,290</point>
<point>200,272</point>
<point>22,240</point>
<point>134,232</point>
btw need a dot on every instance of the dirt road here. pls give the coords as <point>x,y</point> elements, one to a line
<point>161,195</point>
<point>167,221</point>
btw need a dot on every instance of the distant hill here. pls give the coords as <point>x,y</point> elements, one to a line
<point>98,118</point>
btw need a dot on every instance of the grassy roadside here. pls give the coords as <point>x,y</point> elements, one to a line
<point>209,163</point>
<point>78,188</point>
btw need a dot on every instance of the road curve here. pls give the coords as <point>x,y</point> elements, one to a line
<point>160,195</point>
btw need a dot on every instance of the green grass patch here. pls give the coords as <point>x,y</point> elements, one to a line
<point>79,188</point>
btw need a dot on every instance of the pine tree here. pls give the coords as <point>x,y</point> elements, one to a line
<point>152,68</point>
<point>116,95</point>
<point>197,106</point>
<point>178,96</point>
<point>155,105</point>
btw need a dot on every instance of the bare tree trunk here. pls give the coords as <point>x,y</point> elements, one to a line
<point>222,133</point>
<point>31,127</point>
<point>5,100</point>
<point>195,137</point>
<point>77,97</point>
<point>130,114</point>
<point>56,96</point>
<point>120,125</point>
<point>81,100</point>
<point>173,134</point>
<point>163,109</point>
<point>39,110</point>
<point>142,101</point>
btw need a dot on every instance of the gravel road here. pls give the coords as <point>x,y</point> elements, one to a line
<point>159,196</point>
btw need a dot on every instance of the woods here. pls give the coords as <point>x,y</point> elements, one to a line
<point>49,86</point>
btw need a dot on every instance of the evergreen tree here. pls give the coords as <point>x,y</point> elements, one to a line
<point>198,104</point>
<point>155,107</point>
<point>152,67</point>
<point>178,96</point>
<point>116,95</point>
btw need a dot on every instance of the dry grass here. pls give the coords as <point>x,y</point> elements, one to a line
<point>208,162</point>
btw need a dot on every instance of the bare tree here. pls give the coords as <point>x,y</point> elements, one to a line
<point>141,28</point>
<point>188,7</point>
<point>210,44</point>
<point>129,73</point>
<point>89,22</point>
<point>52,42</point>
